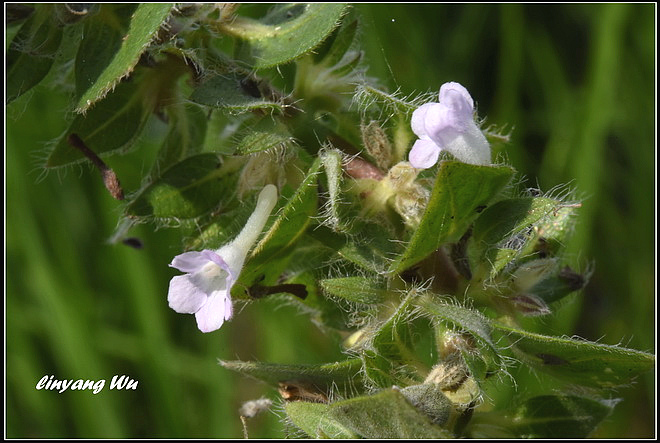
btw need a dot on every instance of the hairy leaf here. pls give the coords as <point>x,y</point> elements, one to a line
<point>234,92</point>
<point>580,361</point>
<point>387,414</point>
<point>292,220</point>
<point>373,255</point>
<point>101,48</point>
<point>356,289</point>
<point>460,192</point>
<point>287,32</point>
<point>32,52</point>
<point>313,419</point>
<point>267,135</point>
<point>100,41</point>
<point>186,190</point>
<point>186,136</point>
<point>466,320</point>
<point>560,416</point>
<point>392,342</point>
<point>511,228</point>
<point>114,124</point>
<point>343,375</point>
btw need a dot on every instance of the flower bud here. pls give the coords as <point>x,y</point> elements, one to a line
<point>377,144</point>
<point>529,305</point>
<point>529,274</point>
<point>429,399</point>
<point>453,377</point>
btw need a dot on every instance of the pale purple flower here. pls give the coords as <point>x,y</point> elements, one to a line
<point>205,288</point>
<point>448,126</point>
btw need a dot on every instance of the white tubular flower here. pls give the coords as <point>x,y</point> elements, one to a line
<point>448,125</point>
<point>205,289</point>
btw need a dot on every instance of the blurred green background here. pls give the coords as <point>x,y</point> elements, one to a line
<point>577,84</point>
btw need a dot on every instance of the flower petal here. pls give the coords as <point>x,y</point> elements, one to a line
<point>214,312</point>
<point>229,308</point>
<point>184,296</point>
<point>424,154</point>
<point>190,261</point>
<point>455,96</point>
<point>443,124</point>
<point>234,257</point>
<point>418,118</point>
<point>218,260</point>
<point>470,147</point>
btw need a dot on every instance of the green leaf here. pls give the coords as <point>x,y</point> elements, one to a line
<point>379,371</point>
<point>470,321</point>
<point>145,23</point>
<point>333,49</point>
<point>393,341</point>
<point>368,291</point>
<point>235,93</point>
<point>286,33</point>
<point>185,138</point>
<point>186,190</point>
<point>579,361</point>
<point>343,376</point>
<point>267,134</point>
<point>460,193</point>
<point>519,222</point>
<point>332,167</point>
<point>15,12</point>
<point>291,222</point>
<point>219,229</point>
<point>373,255</point>
<point>32,52</point>
<point>102,39</point>
<point>388,356</point>
<point>503,220</point>
<point>553,232</point>
<point>293,218</point>
<point>114,124</point>
<point>387,414</point>
<point>313,420</point>
<point>429,399</point>
<point>366,96</point>
<point>560,416</point>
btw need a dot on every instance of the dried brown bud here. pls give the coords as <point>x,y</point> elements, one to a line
<point>359,168</point>
<point>301,391</point>
<point>109,177</point>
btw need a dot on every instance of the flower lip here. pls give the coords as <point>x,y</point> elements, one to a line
<point>455,96</point>
<point>191,261</point>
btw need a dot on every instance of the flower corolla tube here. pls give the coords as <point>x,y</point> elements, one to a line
<point>448,126</point>
<point>205,288</point>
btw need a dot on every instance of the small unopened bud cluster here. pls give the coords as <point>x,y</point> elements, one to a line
<point>377,144</point>
<point>410,198</point>
<point>396,189</point>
